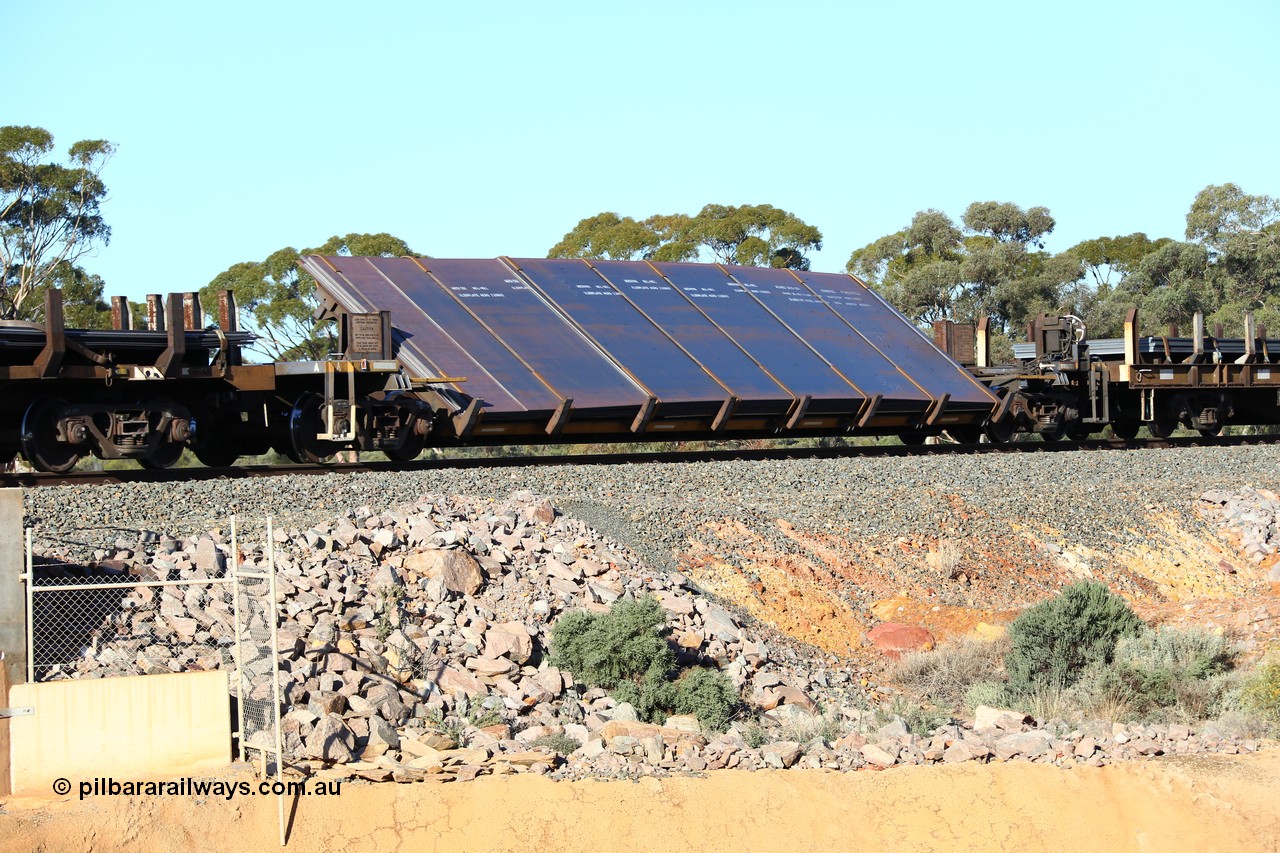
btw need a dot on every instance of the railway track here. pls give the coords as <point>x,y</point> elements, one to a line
<point>140,475</point>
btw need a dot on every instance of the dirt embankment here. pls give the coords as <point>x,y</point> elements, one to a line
<point>828,589</point>
<point>1202,803</point>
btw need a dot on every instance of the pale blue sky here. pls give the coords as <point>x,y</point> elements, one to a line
<point>483,129</point>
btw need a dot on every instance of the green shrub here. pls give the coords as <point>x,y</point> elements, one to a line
<point>827,726</point>
<point>625,651</point>
<point>755,735</point>
<point>560,744</point>
<point>1260,694</point>
<point>919,719</point>
<point>651,693</point>
<point>991,693</point>
<point>708,695</point>
<point>1157,669</point>
<point>627,644</point>
<point>1054,641</point>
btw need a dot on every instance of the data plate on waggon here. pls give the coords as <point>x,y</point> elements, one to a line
<point>898,340</point>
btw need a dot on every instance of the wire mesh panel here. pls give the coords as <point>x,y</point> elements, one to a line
<point>258,685</point>
<point>106,602</point>
<point>256,682</point>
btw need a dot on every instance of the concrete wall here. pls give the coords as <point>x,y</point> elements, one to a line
<point>13,595</point>
<point>139,727</point>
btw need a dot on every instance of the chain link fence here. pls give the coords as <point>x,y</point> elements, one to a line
<point>105,601</point>
<point>102,601</point>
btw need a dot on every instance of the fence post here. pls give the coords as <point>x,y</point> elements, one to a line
<point>235,619</point>
<point>13,593</point>
<point>5,788</point>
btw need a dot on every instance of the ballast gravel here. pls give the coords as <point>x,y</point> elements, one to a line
<point>1098,499</point>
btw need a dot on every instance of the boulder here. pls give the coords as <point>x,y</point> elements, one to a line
<point>964,751</point>
<point>881,756</point>
<point>331,740</point>
<point>781,755</point>
<point>457,569</point>
<point>453,681</point>
<point>510,640</point>
<point>892,639</point>
<point>986,718</point>
<point>1031,744</point>
<point>627,728</point>
<point>719,624</point>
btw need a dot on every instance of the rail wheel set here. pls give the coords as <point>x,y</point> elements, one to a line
<point>439,353</point>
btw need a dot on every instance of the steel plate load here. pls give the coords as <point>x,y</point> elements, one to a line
<point>612,350</point>
<point>900,342</point>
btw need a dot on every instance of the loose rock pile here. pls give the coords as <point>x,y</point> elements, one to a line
<point>1252,515</point>
<point>414,645</point>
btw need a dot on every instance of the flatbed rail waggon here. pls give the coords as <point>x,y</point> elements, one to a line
<point>438,352</point>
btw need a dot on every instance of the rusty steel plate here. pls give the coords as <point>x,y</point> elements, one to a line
<point>544,338</point>
<point>773,346</point>
<point>839,344</point>
<point>758,392</point>
<point>619,328</point>
<point>900,341</point>
<point>434,334</point>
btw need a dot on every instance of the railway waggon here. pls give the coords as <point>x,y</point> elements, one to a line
<point>444,353</point>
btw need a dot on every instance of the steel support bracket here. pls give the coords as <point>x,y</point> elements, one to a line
<point>869,410</point>
<point>17,712</point>
<point>935,411</point>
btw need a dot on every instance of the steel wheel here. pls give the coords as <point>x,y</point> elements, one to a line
<point>305,422</point>
<point>1163,425</point>
<point>218,456</point>
<point>965,434</point>
<point>40,444</point>
<point>1057,433</point>
<point>410,450</point>
<point>164,456</point>
<point>212,447</point>
<point>1125,430</point>
<point>1000,433</point>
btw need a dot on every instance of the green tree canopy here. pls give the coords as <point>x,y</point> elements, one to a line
<point>1229,264</point>
<point>749,235</point>
<point>50,217</point>
<point>994,266</point>
<point>278,299</point>
<point>1220,212</point>
<point>1104,261</point>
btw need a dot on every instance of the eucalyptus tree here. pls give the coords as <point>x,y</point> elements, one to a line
<point>992,265</point>
<point>749,235</point>
<point>277,298</point>
<point>50,218</point>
